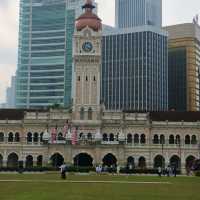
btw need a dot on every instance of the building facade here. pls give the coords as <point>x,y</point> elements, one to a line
<point>143,140</point>
<point>44,73</point>
<point>184,67</point>
<point>131,13</point>
<point>134,69</point>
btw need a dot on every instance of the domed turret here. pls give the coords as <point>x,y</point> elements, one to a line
<point>46,136</point>
<point>88,18</point>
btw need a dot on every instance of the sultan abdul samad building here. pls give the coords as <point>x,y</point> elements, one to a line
<point>88,134</point>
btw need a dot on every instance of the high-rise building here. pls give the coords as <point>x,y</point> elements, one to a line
<point>131,13</point>
<point>44,74</point>
<point>10,94</point>
<point>134,69</point>
<point>184,67</point>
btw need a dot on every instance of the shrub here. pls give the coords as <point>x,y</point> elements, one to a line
<point>197,173</point>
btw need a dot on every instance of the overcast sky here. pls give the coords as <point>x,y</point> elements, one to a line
<point>174,11</point>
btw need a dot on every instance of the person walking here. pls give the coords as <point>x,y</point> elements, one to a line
<point>159,171</point>
<point>63,171</point>
<point>175,171</point>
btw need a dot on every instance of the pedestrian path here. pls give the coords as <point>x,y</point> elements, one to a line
<point>69,181</point>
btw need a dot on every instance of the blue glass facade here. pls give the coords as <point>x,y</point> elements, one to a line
<point>44,73</point>
<point>131,13</point>
<point>135,71</point>
<point>178,79</point>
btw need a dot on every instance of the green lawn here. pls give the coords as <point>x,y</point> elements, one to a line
<point>43,187</point>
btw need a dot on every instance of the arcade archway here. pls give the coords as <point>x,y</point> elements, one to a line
<point>29,161</point>
<point>1,161</point>
<point>12,161</point>
<point>83,160</point>
<point>57,160</point>
<point>189,162</point>
<point>109,160</point>
<point>175,161</point>
<point>159,161</point>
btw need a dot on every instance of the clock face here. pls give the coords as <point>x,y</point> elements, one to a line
<point>87,46</point>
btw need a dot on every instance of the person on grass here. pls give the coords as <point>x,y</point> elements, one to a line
<point>63,169</point>
<point>159,171</point>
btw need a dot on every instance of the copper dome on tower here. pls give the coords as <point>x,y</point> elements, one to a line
<point>88,18</point>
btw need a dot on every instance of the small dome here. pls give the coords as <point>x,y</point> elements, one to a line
<point>88,18</point>
<point>98,136</point>
<point>46,136</point>
<point>121,136</point>
<point>68,135</point>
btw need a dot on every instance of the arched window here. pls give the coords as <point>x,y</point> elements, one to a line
<point>105,137</point>
<point>129,138</point>
<point>1,137</point>
<point>187,139</point>
<point>194,139</point>
<point>112,137</point>
<point>143,139</point>
<point>60,136</point>
<point>155,139</point>
<point>82,114</point>
<point>17,137</point>
<point>136,139</point>
<point>41,137</point>
<point>29,137</point>
<point>90,114</point>
<point>10,137</point>
<point>162,139</point>
<point>89,136</point>
<point>171,139</point>
<point>35,137</point>
<point>178,139</point>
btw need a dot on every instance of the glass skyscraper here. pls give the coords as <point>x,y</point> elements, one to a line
<point>135,69</point>
<point>131,13</point>
<point>44,70</point>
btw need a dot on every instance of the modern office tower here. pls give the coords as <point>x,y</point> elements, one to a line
<point>184,67</point>
<point>10,94</point>
<point>135,70</point>
<point>45,52</point>
<point>131,13</point>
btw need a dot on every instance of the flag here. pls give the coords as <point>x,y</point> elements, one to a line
<point>74,136</point>
<point>53,134</point>
<point>65,129</point>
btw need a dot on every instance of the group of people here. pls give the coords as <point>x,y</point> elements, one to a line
<point>168,171</point>
<point>111,169</point>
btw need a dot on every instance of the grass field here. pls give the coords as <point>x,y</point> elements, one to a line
<point>50,187</point>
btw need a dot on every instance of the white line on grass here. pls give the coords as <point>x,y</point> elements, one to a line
<point>68,181</point>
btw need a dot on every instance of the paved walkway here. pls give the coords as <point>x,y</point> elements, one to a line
<point>68,181</point>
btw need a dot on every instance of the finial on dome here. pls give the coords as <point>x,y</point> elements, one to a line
<point>88,5</point>
<point>88,18</point>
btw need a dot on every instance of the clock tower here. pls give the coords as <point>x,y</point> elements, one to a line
<point>87,65</point>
